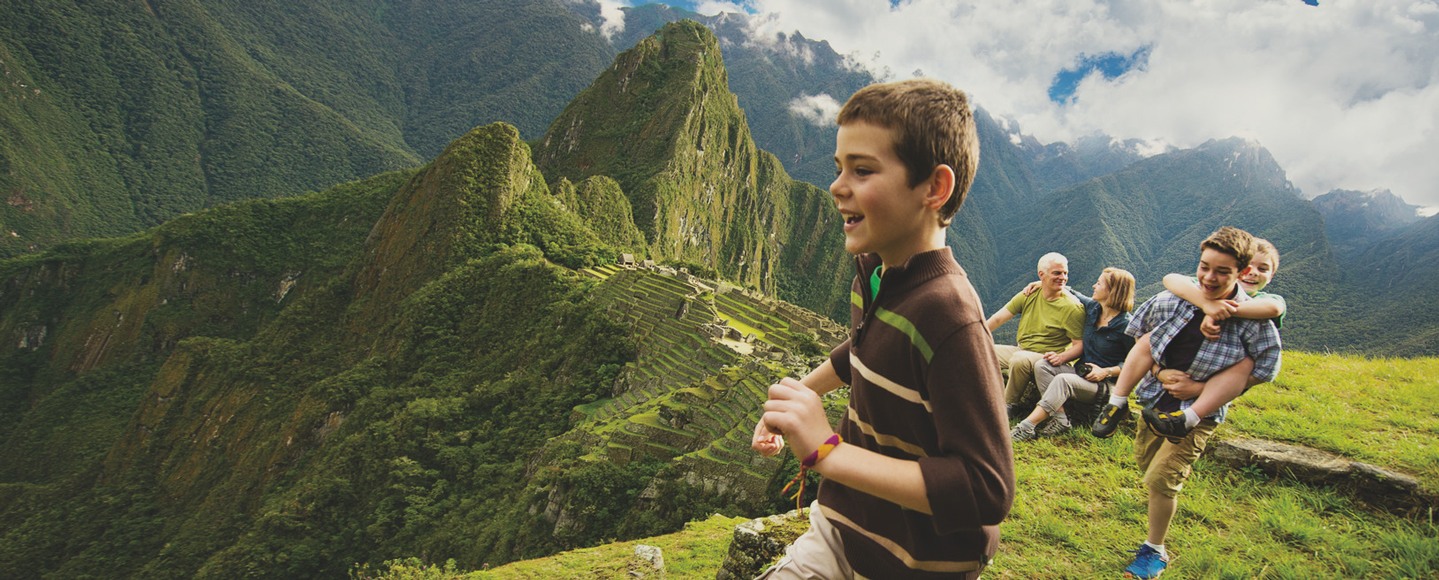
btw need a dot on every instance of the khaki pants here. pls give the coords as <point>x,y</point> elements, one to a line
<point>818,553</point>
<point>1167,465</point>
<point>1059,384</point>
<point>1019,363</point>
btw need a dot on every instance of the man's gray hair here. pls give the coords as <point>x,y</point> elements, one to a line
<point>1052,258</point>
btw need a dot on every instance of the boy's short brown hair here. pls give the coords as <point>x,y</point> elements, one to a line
<point>1232,241</point>
<point>933,126</point>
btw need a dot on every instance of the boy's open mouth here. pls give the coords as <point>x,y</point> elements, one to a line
<point>852,220</point>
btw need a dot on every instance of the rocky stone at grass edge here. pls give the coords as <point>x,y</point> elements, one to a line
<point>1395,492</point>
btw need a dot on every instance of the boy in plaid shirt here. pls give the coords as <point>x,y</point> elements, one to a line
<point>1178,343</point>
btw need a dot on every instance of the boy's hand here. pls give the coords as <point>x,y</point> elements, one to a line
<point>1209,328</point>
<point>766,443</point>
<point>1031,288</point>
<point>1220,309</point>
<point>1180,384</point>
<point>1168,375</point>
<point>794,411</point>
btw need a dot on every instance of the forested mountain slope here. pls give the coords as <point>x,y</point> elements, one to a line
<point>118,116</point>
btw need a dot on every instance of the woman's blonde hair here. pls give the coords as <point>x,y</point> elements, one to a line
<point>1121,289</point>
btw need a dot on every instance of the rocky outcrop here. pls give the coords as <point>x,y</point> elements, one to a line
<point>648,562</point>
<point>1393,491</point>
<point>759,542</point>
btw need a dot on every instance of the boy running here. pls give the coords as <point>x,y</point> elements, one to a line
<point>920,471</point>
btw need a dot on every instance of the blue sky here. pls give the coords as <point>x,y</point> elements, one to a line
<point>1343,94</point>
<point>1109,66</point>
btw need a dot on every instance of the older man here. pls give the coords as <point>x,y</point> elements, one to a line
<point>1051,327</point>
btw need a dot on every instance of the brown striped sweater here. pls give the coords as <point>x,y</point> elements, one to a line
<point>925,386</point>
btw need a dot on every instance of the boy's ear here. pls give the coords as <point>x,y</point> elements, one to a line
<point>941,187</point>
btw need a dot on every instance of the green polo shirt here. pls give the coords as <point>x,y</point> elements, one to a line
<point>1047,325</point>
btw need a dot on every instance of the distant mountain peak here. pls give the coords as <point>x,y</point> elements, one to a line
<point>1349,200</point>
<point>1353,219</point>
<point>1062,164</point>
<point>1249,162</point>
<point>1232,144</point>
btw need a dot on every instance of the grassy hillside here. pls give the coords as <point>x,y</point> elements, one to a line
<point>1080,505</point>
<point>693,552</point>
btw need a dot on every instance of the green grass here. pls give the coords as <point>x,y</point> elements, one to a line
<point>1376,410</point>
<point>690,553</point>
<point>1080,506</point>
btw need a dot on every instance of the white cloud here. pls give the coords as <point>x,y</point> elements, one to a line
<point>1151,147</point>
<point>711,8</point>
<point>613,16</point>
<point>819,110</point>
<point>1344,94</point>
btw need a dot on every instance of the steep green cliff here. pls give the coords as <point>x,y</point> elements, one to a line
<point>664,125</point>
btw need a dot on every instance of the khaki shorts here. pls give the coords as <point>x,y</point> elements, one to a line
<point>818,553</point>
<point>1167,465</point>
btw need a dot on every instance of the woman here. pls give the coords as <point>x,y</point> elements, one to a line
<point>1105,345</point>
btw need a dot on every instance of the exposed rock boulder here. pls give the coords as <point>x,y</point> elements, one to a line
<point>649,562</point>
<point>1396,492</point>
<point>759,542</point>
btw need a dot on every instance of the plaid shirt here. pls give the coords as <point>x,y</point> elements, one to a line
<point>1164,315</point>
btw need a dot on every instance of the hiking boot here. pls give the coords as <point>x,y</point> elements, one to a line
<point>1148,563</point>
<point>1023,432</point>
<point>1168,425</point>
<point>1056,425</point>
<point>1109,419</point>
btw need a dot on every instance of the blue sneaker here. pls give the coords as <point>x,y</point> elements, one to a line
<point>1148,563</point>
